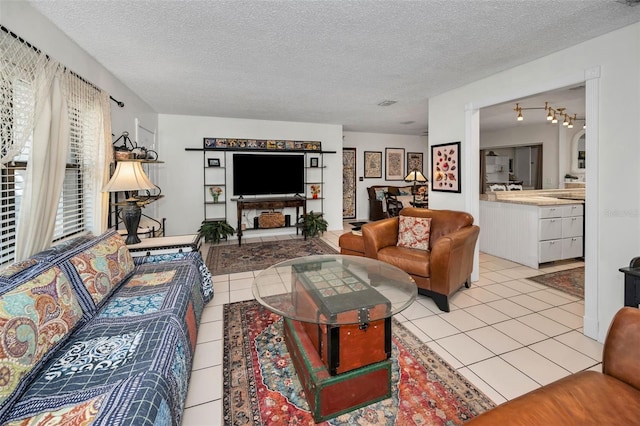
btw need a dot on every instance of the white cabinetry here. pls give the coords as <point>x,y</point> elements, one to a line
<point>497,169</point>
<point>560,232</point>
<point>531,234</point>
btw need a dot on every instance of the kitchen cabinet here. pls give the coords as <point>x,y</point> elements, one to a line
<point>561,232</point>
<point>530,234</point>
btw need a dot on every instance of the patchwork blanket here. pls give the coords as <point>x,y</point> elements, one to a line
<point>128,364</point>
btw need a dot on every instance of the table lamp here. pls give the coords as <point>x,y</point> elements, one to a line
<point>130,178</point>
<point>415,176</point>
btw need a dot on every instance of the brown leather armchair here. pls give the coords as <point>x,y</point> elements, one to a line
<point>445,267</point>
<point>610,397</point>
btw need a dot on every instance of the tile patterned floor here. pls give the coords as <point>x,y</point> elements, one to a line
<point>505,334</point>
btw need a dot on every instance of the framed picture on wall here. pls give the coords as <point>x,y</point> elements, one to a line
<point>414,162</point>
<point>394,164</point>
<point>445,167</point>
<point>214,162</point>
<point>373,164</point>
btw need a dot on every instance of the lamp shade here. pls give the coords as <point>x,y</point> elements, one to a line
<point>128,176</point>
<point>415,176</point>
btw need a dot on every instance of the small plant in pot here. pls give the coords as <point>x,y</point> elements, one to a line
<point>214,231</point>
<point>313,223</point>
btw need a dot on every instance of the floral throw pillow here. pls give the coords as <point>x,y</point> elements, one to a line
<point>380,193</point>
<point>414,232</point>
<point>404,191</point>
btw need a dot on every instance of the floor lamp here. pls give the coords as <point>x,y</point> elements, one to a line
<point>415,176</point>
<point>130,178</point>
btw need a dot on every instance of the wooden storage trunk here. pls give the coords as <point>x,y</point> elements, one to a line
<point>329,396</point>
<point>339,295</point>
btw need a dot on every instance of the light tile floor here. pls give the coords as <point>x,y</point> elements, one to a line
<point>505,334</point>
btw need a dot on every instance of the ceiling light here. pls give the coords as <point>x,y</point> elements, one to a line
<point>519,111</point>
<point>387,103</point>
<point>552,114</point>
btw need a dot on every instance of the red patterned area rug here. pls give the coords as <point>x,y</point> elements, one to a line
<point>570,281</point>
<point>230,259</point>
<point>262,388</point>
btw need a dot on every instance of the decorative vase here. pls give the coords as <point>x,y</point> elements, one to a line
<point>215,197</point>
<point>315,195</point>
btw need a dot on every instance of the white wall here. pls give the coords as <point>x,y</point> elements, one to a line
<point>378,142</point>
<point>555,155</point>
<point>181,177</point>
<point>612,78</point>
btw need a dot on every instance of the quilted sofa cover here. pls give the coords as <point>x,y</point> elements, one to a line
<point>91,337</point>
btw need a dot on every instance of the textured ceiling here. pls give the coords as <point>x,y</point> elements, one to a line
<point>321,61</point>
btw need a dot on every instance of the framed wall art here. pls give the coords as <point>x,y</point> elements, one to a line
<point>373,164</point>
<point>214,162</point>
<point>445,167</point>
<point>348,183</point>
<point>260,144</point>
<point>414,162</point>
<point>394,164</point>
<point>313,162</point>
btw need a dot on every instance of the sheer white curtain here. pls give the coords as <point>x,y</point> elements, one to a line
<point>45,169</point>
<point>59,126</point>
<point>100,173</point>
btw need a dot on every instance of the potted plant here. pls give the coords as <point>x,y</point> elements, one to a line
<point>214,231</point>
<point>313,223</point>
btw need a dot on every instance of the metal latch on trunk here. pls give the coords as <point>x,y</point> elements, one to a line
<point>363,318</point>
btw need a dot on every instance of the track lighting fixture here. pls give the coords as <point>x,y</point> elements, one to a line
<point>552,115</point>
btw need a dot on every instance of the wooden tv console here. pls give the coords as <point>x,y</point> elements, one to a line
<point>269,203</point>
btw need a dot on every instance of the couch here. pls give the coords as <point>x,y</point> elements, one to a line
<point>90,336</point>
<point>377,205</point>
<point>441,269</point>
<point>610,397</point>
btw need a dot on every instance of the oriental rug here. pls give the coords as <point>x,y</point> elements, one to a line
<point>569,281</point>
<point>230,259</point>
<point>261,386</point>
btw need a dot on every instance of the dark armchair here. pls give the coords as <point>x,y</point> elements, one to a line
<point>393,205</point>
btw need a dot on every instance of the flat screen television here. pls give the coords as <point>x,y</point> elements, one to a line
<point>268,174</point>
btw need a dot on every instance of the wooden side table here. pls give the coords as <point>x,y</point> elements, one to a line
<point>165,245</point>
<point>632,283</point>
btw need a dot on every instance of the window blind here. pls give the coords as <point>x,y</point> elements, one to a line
<point>18,88</point>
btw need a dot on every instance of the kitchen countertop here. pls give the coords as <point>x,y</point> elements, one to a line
<point>541,197</point>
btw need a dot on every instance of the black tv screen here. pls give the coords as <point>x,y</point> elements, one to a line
<point>265,174</point>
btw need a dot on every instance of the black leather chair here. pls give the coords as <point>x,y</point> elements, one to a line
<point>393,205</point>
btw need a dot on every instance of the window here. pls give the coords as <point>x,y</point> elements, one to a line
<point>17,94</point>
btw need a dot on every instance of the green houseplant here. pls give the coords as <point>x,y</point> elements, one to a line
<point>214,231</point>
<point>313,223</point>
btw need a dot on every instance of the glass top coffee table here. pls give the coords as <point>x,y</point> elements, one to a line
<point>338,283</point>
<point>337,313</point>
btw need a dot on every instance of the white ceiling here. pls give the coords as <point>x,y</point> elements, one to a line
<point>502,116</point>
<point>321,61</point>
